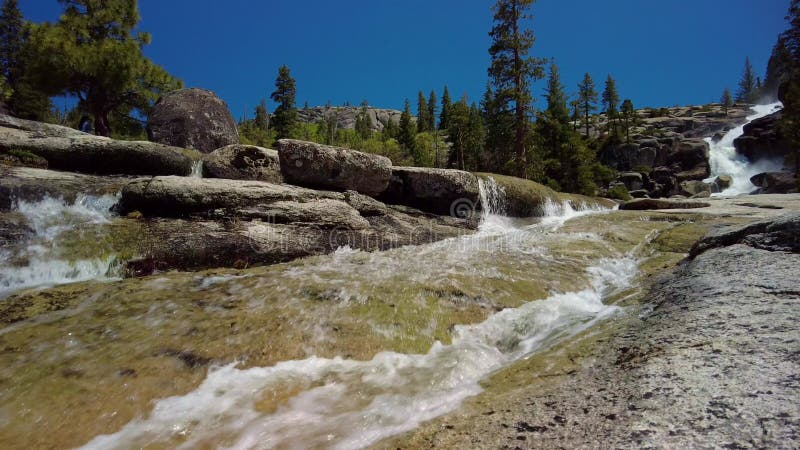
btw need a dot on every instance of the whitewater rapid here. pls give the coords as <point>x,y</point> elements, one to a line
<point>39,262</point>
<point>343,403</point>
<point>726,161</point>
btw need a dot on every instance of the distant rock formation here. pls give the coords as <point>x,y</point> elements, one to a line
<point>345,116</point>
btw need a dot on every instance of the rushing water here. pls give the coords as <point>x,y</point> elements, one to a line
<point>38,262</point>
<point>725,161</point>
<point>197,169</point>
<point>347,403</point>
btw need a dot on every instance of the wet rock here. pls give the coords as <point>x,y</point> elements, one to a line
<point>763,140</point>
<point>438,191</point>
<point>243,162</point>
<point>695,187</point>
<point>723,182</point>
<point>775,234</point>
<point>325,167</point>
<point>652,203</point>
<point>192,118</point>
<point>67,149</point>
<point>31,185</point>
<point>775,182</point>
<point>641,193</point>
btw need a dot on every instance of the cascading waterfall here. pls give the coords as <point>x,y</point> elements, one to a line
<point>37,262</point>
<point>197,169</point>
<point>725,161</point>
<point>345,403</point>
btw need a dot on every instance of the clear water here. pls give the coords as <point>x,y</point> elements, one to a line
<point>38,262</point>
<point>344,403</point>
<point>725,161</point>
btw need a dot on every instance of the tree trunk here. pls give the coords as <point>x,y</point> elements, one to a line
<point>101,127</point>
<point>519,141</point>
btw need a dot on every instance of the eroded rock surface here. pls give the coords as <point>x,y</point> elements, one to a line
<point>71,150</point>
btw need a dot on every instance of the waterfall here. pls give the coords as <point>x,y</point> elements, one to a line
<point>38,262</point>
<point>725,161</point>
<point>197,169</point>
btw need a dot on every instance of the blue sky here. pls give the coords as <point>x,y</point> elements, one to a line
<point>662,53</point>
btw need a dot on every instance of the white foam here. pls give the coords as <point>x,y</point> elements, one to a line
<point>726,161</point>
<point>49,218</point>
<point>197,169</point>
<point>352,404</point>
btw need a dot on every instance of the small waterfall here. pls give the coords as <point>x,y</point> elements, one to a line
<point>493,208</point>
<point>38,262</point>
<point>197,169</point>
<point>725,161</point>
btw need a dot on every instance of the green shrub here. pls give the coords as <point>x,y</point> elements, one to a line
<point>619,192</point>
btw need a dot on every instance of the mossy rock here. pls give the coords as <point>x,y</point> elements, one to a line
<point>526,198</point>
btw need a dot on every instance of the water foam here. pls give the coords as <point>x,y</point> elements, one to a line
<point>726,161</point>
<point>49,218</point>
<point>351,404</point>
<point>197,169</point>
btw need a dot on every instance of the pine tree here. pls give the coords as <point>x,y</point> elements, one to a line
<point>554,131</point>
<point>364,121</point>
<point>458,134</point>
<point>95,53</point>
<point>406,135</point>
<point>11,40</point>
<point>726,100</point>
<point>23,98</point>
<point>476,138</point>
<point>431,111</point>
<point>610,102</point>
<point>747,92</point>
<point>588,98</point>
<point>628,118</point>
<point>422,113</point>
<point>284,119</point>
<point>444,117</point>
<point>261,120</point>
<point>789,124</point>
<point>511,71</point>
<point>778,69</point>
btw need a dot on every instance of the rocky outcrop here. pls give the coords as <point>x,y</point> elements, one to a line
<point>345,116</point>
<point>775,182</point>
<point>689,160</point>
<point>525,198</point>
<point>186,196</point>
<point>324,167</point>
<point>763,140</point>
<point>192,118</point>
<point>243,162</point>
<point>71,150</point>
<point>773,234</point>
<point>653,203</point>
<point>438,191</point>
<point>31,185</point>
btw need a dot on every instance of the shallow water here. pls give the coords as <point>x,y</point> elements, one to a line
<point>335,351</point>
<point>38,262</point>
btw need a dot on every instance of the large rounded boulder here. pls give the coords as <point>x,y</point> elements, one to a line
<point>192,118</point>
<point>324,167</point>
<point>438,191</point>
<point>243,162</point>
